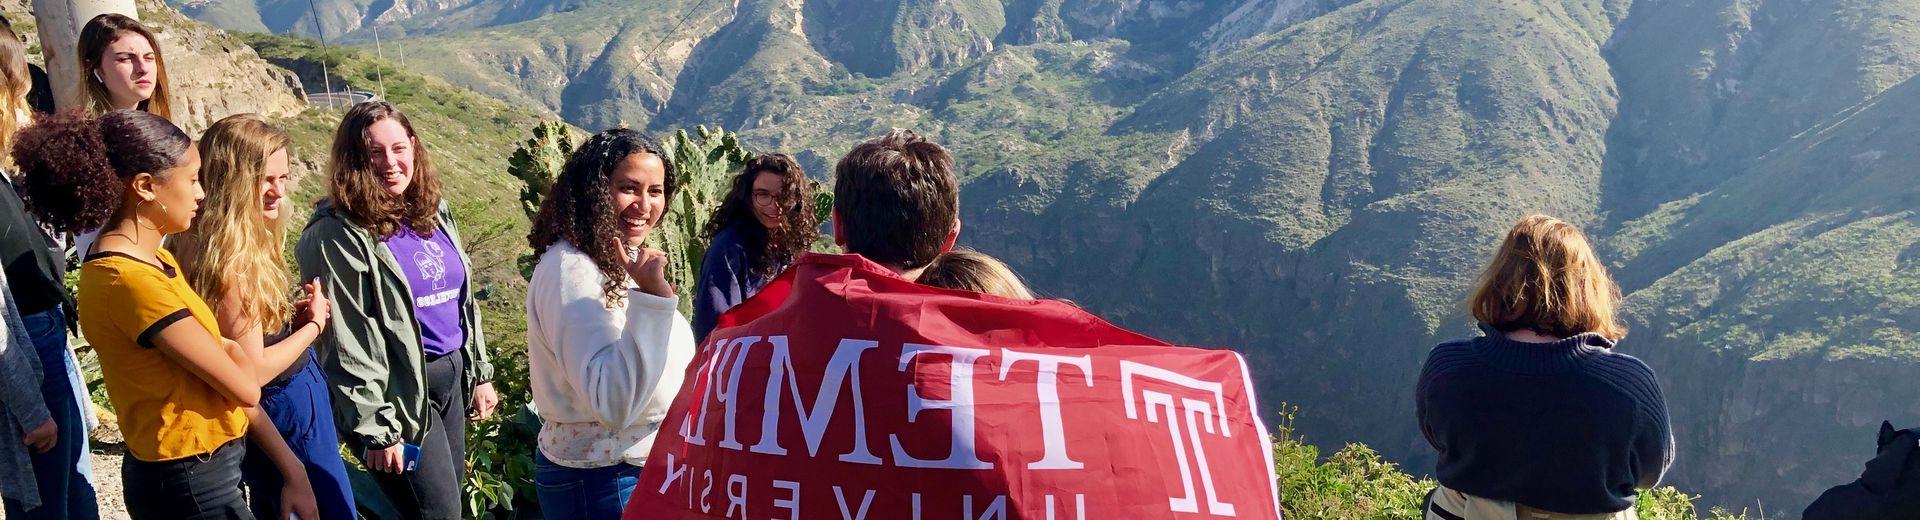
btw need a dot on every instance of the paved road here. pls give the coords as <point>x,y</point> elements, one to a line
<point>340,99</point>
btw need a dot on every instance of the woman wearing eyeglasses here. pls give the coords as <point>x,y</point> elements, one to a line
<point>765,222</point>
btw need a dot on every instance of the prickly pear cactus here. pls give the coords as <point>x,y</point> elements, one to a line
<point>704,159</point>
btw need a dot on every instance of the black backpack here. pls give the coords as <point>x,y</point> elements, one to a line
<point>1888,489</point>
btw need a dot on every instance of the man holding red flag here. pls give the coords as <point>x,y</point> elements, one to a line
<point>843,390</point>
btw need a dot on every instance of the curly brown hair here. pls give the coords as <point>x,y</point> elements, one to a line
<point>578,208</point>
<point>799,226</point>
<point>74,167</point>
<point>355,189</point>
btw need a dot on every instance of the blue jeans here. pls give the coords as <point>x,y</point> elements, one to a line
<point>65,473</point>
<point>583,494</point>
<point>303,413</point>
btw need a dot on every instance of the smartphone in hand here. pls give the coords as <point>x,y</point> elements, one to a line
<point>409,457</point>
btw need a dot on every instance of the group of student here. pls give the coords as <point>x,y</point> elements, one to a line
<point>236,382</point>
<point>235,396</point>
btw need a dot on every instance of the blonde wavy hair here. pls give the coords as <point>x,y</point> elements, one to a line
<point>232,246</point>
<point>1546,278</point>
<point>970,270</point>
<point>15,111</point>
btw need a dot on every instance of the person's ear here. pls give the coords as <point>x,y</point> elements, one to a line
<point>953,236</point>
<point>839,233</point>
<point>143,185</point>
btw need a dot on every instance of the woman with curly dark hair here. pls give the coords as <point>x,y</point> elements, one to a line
<point>605,340</point>
<point>185,397</point>
<point>765,222</point>
<point>404,357</point>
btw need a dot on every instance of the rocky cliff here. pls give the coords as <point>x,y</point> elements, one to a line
<point>1315,182</point>
<point>215,75</point>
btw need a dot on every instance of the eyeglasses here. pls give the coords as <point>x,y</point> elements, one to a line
<point>761,198</point>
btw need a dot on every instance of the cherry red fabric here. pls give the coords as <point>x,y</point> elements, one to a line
<point>862,374</point>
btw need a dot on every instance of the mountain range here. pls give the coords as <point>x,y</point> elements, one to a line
<point>1315,183</point>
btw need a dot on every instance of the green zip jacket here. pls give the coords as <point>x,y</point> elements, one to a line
<point>371,351</point>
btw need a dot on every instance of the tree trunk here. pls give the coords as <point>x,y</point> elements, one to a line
<point>60,23</point>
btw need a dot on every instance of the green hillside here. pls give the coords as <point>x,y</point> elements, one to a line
<point>1315,182</point>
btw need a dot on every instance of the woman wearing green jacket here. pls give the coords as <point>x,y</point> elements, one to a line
<point>404,356</point>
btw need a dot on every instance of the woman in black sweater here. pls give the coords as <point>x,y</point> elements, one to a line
<point>1540,415</point>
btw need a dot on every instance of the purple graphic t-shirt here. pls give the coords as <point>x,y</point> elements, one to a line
<point>435,274</point>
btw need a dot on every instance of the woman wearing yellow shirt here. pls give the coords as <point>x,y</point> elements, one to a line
<point>184,396</point>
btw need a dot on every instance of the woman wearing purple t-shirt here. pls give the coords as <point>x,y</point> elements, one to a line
<point>404,356</point>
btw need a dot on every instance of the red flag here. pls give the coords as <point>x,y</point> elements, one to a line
<point>842,391</point>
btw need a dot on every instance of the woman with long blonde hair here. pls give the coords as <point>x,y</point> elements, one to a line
<point>1539,417</point>
<point>37,280</point>
<point>16,83</point>
<point>234,257</point>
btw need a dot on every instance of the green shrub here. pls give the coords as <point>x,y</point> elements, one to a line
<point>1356,483</point>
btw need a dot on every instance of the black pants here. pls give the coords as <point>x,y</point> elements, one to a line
<point>205,487</point>
<point>432,490</point>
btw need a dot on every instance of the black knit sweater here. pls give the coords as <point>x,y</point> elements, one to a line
<point>1569,426</point>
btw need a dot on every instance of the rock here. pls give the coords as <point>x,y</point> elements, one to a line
<point>215,75</point>
<point>108,429</point>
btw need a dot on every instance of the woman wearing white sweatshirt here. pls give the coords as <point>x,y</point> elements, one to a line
<point>606,342</point>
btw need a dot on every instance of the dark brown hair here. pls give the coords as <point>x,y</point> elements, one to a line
<point>579,209</point>
<point>1545,278</point>
<point>355,189</point>
<point>798,227</point>
<point>102,31</point>
<point>897,199</point>
<point>75,167</point>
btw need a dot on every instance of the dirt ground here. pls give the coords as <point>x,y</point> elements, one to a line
<point>107,452</point>
<point>106,476</point>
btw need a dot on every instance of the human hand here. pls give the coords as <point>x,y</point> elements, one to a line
<point>485,402</point>
<point>648,269</point>
<point>316,307</point>
<point>297,499</point>
<point>391,459</point>
<point>43,437</point>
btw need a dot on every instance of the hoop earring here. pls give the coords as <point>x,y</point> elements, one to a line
<point>136,215</point>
